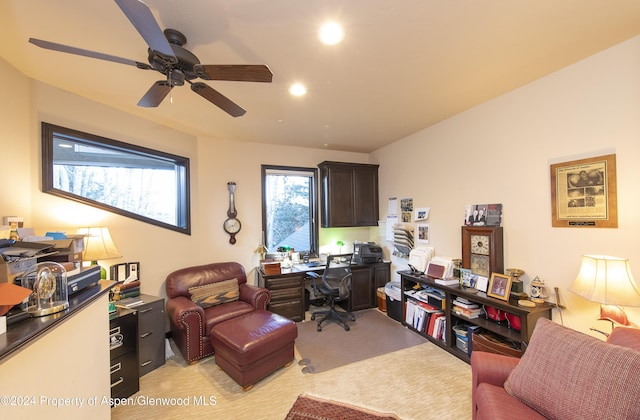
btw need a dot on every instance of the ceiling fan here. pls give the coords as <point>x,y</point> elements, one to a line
<point>167,56</point>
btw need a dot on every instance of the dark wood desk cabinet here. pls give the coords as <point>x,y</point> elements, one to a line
<point>288,296</point>
<point>287,293</point>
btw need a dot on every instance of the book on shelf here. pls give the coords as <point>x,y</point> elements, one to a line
<point>129,302</point>
<point>468,305</point>
<point>448,282</point>
<point>122,285</point>
<point>432,320</point>
<point>123,294</point>
<point>467,313</point>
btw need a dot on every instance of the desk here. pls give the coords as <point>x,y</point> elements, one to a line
<point>288,288</point>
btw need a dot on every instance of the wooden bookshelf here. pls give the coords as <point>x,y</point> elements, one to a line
<point>528,316</point>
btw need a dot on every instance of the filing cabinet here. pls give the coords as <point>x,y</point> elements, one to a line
<point>151,343</point>
<point>287,294</point>
<point>123,348</point>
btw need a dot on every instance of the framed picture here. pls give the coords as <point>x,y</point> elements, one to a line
<point>499,286</point>
<point>422,232</point>
<point>421,213</point>
<point>584,193</point>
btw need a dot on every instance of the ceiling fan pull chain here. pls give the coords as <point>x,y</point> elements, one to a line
<point>170,90</point>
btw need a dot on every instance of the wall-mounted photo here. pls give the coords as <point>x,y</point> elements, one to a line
<point>583,193</point>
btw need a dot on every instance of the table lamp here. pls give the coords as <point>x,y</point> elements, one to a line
<point>608,281</point>
<point>98,245</point>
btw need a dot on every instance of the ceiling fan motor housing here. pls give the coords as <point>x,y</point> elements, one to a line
<point>185,63</point>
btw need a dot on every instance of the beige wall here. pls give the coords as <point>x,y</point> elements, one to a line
<point>500,151</point>
<point>213,164</point>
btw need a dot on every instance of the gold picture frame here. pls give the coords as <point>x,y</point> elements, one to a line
<point>584,193</point>
<point>499,286</point>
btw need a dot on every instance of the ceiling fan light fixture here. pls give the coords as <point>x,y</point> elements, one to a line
<point>331,33</point>
<point>297,89</point>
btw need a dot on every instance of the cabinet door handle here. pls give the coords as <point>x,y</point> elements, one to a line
<point>115,368</point>
<point>118,382</point>
<point>144,311</point>
<point>147,334</point>
<point>148,362</point>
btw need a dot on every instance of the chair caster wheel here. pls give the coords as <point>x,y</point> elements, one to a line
<point>347,328</point>
<point>319,328</point>
<point>313,317</point>
<point>353,317</point>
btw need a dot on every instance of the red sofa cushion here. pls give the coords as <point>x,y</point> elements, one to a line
<point>565,374</point>
<point>499,405</point>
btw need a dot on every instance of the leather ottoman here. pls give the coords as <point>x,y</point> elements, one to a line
<point>254,345</point>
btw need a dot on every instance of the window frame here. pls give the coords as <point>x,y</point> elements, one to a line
<point>50,131</point>
<point>313,203</point>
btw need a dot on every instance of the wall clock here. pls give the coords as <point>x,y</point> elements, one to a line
<point>482,249</point>
<point>232,225</point>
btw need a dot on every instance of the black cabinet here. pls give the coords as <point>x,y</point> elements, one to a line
<point>123,346</point>
<point>349,194</point>
<point>150,333</point>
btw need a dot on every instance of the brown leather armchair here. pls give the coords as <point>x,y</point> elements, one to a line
<point>190,323</point>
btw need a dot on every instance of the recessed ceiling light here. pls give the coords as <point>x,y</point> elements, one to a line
<point>297,89</point>
<point>331,33</point>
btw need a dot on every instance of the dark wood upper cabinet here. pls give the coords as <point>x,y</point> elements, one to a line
<point>349,194</point>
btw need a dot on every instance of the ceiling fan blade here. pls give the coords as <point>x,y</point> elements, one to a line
<point>155,95</point>
<point>218,99</point>
<point>142,19</point>
<point>86,53</point>
<point>235,72</point>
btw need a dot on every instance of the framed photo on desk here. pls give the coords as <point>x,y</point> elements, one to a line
<point>499,286</point>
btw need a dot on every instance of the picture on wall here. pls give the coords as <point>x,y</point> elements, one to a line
<point>483,215</point>
<point>422,230</point>
<point>584,193</point>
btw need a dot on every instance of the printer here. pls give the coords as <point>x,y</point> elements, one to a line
<point>366,253</point>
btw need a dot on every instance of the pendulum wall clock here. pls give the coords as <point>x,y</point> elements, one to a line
<point>232,225</point>
<point>482,249</point>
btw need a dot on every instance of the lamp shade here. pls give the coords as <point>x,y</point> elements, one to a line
<point>98,244</point>
<point>606,280</point>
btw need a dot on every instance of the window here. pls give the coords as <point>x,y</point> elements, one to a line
<point>289,208</point>
<point>129,180</point>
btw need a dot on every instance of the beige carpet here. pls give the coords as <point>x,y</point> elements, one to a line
<point>419,382</point>
<point>372,334</point>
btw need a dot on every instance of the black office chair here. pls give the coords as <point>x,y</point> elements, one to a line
<point>335,286</point>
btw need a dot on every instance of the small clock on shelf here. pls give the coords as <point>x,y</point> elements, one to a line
<point>482,250</point>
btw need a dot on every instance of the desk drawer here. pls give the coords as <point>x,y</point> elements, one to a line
<point>122,335</point>
<point>292,309</point>
<point>284,283</point>
<point>124,375</point>
<point>286,294</point>
<point>150,335</point>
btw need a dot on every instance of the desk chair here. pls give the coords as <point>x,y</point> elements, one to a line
<point>335,285</point>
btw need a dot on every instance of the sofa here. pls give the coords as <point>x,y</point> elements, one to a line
<point>201,297</point>
<point>563,374</point>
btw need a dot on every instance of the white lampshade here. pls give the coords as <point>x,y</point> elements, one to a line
<point>606,280</point>
<point>98,244</point>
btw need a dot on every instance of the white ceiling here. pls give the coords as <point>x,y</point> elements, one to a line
<point>403,65</point>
